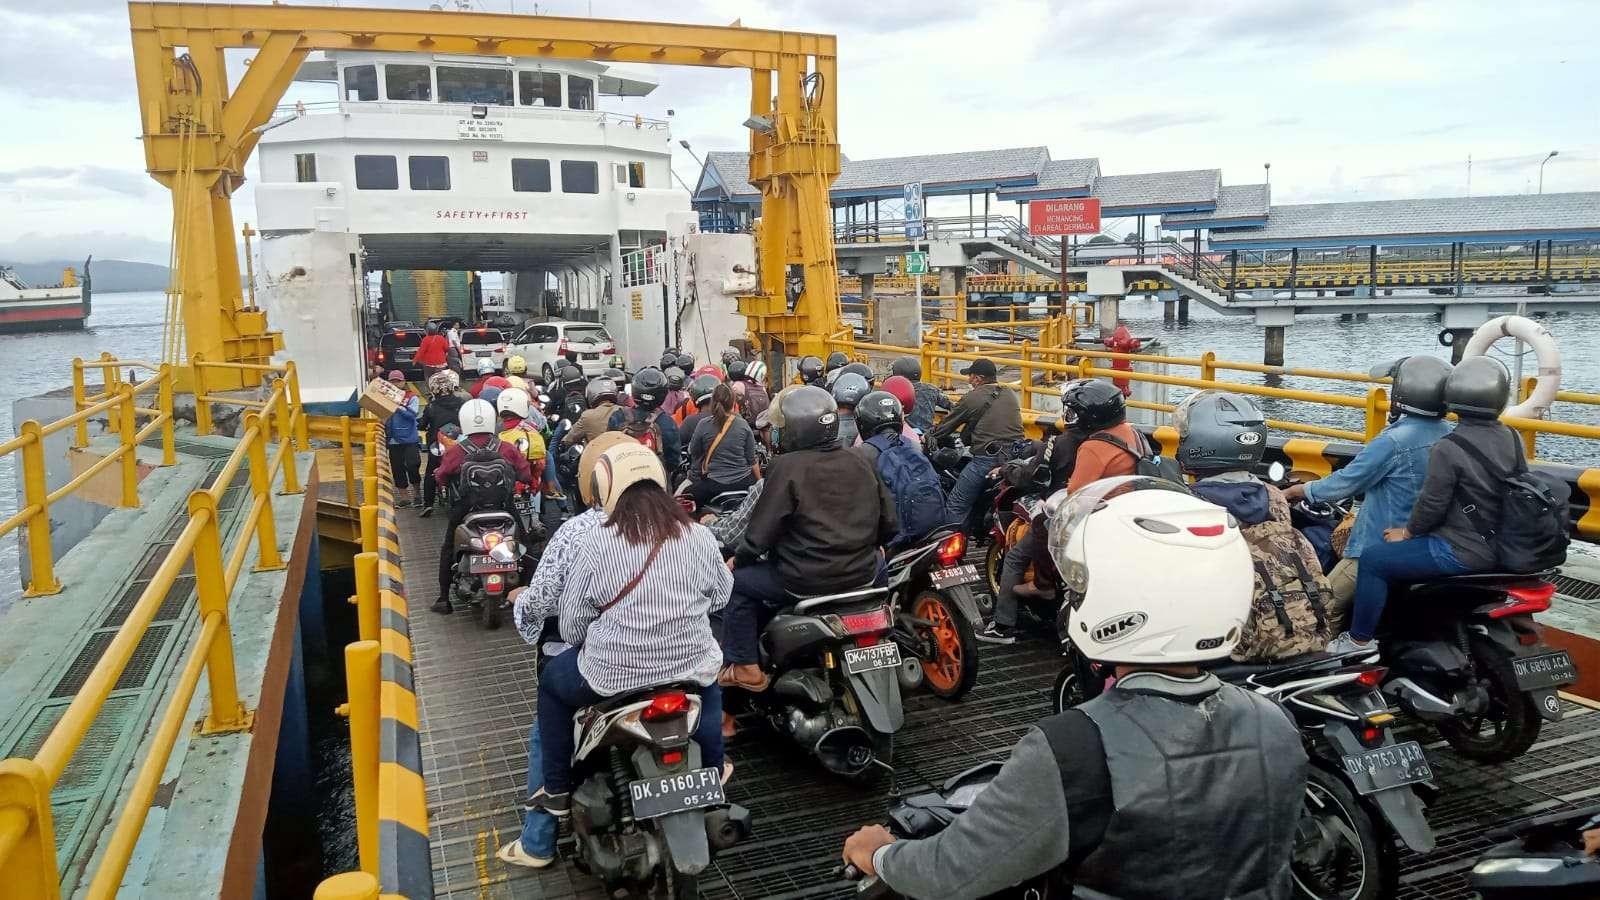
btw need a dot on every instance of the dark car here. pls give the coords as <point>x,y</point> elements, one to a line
<point>397,346</point>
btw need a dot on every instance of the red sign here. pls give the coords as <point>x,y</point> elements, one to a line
<point>1057,217</point>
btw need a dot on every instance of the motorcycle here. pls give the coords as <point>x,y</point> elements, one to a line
<point>935,614</point>
<point>720,505</point>
<point>488,560</point>
<point>1364,788</point>
<point>835,689</point>
<point>646,816</point>
<point>1018,502</point>
<point>1543,857</point>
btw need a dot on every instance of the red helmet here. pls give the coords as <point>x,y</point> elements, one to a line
<point>709,369</point>
<point>901,388</point>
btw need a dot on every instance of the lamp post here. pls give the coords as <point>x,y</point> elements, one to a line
<point>1268,168</point>
<point>690,151</point>
<point>1553,155</point>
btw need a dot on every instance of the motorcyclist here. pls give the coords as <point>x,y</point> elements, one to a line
<point>862,369</point>
<point>479,426</point>
<point>929,399</point>
<point>487,378</point>
<point>444,408</point>
<point>750,394</point>
<point>516,365</point>
<point>1200,779</point>
<point>514,407</point>
<point>648,553</point>
<point>699,394</point>
<point>677,392</point>
<point>1221,440</point>
<point>810,371</point>
<point>848,389</point>
<point>903,391</point>
<point>822,516</point>
<point>722,451</point>
<point>902,466</point>
<point>838,359</point>
<point>601,397</point>
<point>647,422</point>
<point>990,420</point>
<point>1440,537</point>
<point>1388,471</point>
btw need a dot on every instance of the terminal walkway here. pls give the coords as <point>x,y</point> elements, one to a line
<point>477,694</point>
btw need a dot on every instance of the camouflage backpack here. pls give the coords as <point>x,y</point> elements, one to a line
<point>1289,613</point>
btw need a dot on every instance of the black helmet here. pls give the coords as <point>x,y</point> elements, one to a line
<point>738,370</point>
<point>676,378</point>
<point>837,360</point>
<point>1418,386</point>
<point>879,412</point>
<point>862,369</point>
<point>850,388</point>
<point>432,328</point>
<point>908,367</point>
<point>1088,406</point>
<point>649,389</point>
<point>729,355</point>
<point>1219,432</point>
<point>684,362</point>
<point>811,370</point>
<point>668,359</point>
<point>702,386</point>
<point>1477,389</point>
<point>600,390</point>
<point>810,419</point>
<point>615,374</point>
<point>571,377</point>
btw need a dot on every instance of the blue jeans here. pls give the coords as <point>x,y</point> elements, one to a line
<point>968,488</point>
<point>562,692</point>
<point>1383,564</point>
<point>539,829</point>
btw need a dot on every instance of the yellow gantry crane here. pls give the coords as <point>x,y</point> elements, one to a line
<point>199,130</point>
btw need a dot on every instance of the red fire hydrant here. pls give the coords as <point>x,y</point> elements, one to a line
<point>1122,341</point>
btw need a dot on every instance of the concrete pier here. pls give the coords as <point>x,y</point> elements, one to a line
<point>1273,355</point>
<point>1183,309</point>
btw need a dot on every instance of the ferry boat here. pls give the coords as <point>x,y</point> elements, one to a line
<point>58,307</point>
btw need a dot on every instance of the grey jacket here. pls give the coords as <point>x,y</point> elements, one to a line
<point>1456,481</point>
<point>998,422</point>
<point>731,461</point>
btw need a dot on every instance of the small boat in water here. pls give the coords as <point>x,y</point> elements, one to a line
<point>59,307</point>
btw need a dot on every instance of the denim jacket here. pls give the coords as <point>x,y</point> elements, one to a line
<point>1389,472</point>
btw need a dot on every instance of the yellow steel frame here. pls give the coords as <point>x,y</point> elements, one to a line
<point>793,85</point>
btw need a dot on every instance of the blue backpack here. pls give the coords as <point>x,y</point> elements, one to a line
<point>912,482</point>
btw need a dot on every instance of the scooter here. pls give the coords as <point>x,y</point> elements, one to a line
<point>646,816</point>
<point>488,560</point>
<point>935,614</point>
<point>1543,858</point>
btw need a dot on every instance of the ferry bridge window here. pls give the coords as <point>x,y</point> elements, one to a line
<point>461,84</point>
<point>407,82</point>
<point>530,175</point>
<point>636,174</point>
<point>539,89</point>
<point>622,173</point>
<point>580,177</point>
<point>361,82</point>
<point>580,92</point>
<point>305,167</point>
<point>430,173</point>
<point>377,173</point>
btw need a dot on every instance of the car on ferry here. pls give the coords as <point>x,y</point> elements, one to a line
<point>397,348</point>
<point>482,342</point>
<point>543,344</point>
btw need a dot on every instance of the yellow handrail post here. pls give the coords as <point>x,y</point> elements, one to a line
<point>369,519</point>
<point>111,377</point>
<point>130,444</point>
<point>302,430</point>
<point>348,886</point>
<point>1529,436</point>
<point>291,478</point>
<point>349,449</point>
<point>211,592</point>
<point>361,675</point>
<point>369,463</point>
<point>202,406</point>
<point>27,833</point>
<point>366,599</point>
<point>36,493</point>
<point>1026,388</point>
<point>1208,366</point>
<point>1375,415</point>
<point>261,486</point>
<point>79,401</point>
<point>169,447</point>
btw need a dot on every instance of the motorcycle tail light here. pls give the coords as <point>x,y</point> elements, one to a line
<point>1371,678</point>
<point>672,757</point>
<point>865,622</point>
<point>667,705</point>
<point>492,539</point>
<point>867,640</point>
<point>952,549</point>
<point>687,503</point>
<point>1371,735</point>
<point>1522,601</point>
<point>1527,639</point>
<point>494,584</point>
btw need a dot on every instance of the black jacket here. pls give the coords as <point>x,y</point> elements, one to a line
<point>1456,481</point>
<point>442,410</point>
<point>822,516</point>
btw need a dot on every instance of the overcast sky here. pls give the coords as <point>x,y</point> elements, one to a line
<point>1346,100</point>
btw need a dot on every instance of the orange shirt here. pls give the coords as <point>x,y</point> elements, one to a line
<point>1098,459</point>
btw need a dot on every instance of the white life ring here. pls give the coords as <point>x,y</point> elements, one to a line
<point>1548,381</point>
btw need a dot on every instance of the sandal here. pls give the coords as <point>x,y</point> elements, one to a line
<point>730,678</point>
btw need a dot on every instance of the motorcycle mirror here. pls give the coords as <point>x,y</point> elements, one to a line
<point>1276,472</point>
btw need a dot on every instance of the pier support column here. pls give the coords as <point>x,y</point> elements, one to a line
<point>1461,320</point>
<point>1458,345</point>
<point>1169,312</point>
<point>1183,309</point>
<point>1274,352</point>
<point>1107,310</point>
<point>952,280</point>
<point>897,320</point>
<point>1361,317</point>
<point>1275,320</point>
<point>869,315</point>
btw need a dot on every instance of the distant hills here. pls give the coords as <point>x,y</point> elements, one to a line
<point>110,275</point>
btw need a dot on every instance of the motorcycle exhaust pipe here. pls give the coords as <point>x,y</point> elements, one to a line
<point>910,673</point>
<point>845,751</point>
<point>726,827</point>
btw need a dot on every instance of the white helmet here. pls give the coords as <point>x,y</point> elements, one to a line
<point>515,401</point>
<point>485,366</point>
<point>478,417</point>
<point>1154,574</point>
<point>620,468</point>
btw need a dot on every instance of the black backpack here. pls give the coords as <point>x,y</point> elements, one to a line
<point>1531,533</point>
<point>1146,461</point>
<point>486,480</point>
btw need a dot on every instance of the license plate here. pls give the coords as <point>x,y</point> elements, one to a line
<point>668,794</point>
<point>870,659</point>
<point>1388,767</point>
<point>479,565</point>
<point>590,356</point>
<point>1544,671</point>
<point>943,578</point>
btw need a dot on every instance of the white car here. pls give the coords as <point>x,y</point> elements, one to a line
<point>482,342</point>
<point>543,344</point>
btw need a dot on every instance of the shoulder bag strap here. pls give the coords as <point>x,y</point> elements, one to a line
<point>1480,522</point>
<point>634,581</point>
<point>705,464</point>
<point>1308,582</point>
<point>1113,440</point>
<point>1276,597</point>
<point>972,425</point>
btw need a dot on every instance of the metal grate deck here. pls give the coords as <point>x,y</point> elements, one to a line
<point>477,694</point>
